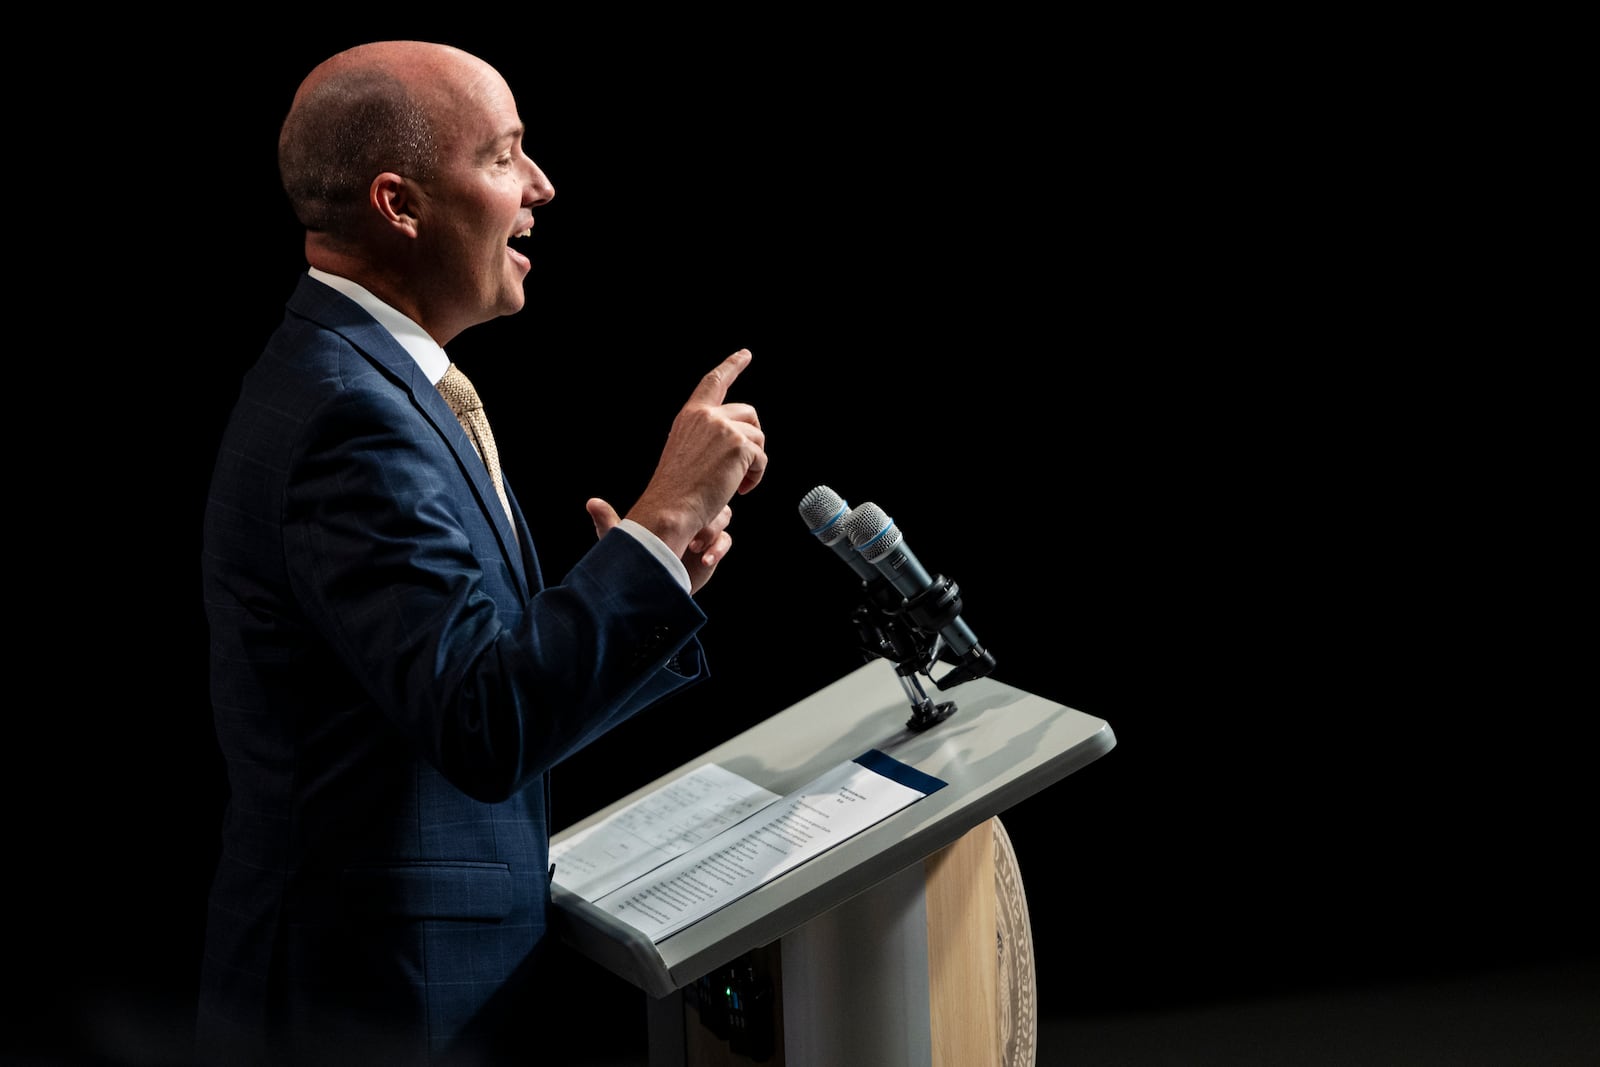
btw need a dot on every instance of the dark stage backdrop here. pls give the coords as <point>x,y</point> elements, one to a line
<point>1101,325</point>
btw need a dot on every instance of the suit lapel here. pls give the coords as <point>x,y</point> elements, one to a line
<point>336,312</point>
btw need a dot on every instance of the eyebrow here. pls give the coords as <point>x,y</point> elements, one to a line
<point>492,147</point>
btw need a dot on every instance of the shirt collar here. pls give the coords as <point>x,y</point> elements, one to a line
<point>428,353</point>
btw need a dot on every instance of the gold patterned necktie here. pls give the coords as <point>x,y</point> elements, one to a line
<point>463,399</point>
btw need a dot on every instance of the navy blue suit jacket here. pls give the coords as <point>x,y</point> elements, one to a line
<point>391,682</point>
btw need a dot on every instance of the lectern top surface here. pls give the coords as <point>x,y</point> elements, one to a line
<point>1001,746</point>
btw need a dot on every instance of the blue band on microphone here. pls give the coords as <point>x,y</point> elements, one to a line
<point>863,546</point>
<point>830,523</point>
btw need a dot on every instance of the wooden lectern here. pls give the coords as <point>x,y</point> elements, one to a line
<point>891,948</point>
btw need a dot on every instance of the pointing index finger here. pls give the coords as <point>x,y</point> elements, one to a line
<point>713,388</point>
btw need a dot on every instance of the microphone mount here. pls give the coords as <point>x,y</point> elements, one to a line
<point>906,632</point>
<point>899,618</point>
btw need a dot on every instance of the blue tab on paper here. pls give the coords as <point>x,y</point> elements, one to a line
<point>895,771</point>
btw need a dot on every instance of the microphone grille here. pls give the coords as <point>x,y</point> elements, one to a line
<point>872,532</point>
<point>823,511</point>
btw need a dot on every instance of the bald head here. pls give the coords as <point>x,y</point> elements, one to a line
<point>404,161</point>
<point>373,108</point>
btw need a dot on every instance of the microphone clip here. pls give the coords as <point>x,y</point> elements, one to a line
<point>906,631</point>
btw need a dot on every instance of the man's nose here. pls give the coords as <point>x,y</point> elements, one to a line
<point>539,187</point>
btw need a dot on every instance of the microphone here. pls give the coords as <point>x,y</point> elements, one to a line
<point>934,604</point>
<point>825,514</point>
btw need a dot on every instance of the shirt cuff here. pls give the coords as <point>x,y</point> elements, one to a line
<point>659,549</point>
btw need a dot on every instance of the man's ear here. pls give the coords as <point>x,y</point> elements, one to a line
<point>395,200</point>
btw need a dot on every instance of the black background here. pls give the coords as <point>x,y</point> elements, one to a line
<point>1159,352</point>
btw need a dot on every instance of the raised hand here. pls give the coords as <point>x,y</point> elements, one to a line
<point>714,451</point>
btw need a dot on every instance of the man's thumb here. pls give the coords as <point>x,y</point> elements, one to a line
<point>603,514</point>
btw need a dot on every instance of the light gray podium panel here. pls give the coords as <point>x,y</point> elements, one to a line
<point>1001,746</point>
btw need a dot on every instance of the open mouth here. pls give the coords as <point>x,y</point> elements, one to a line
<point>516,253</point>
